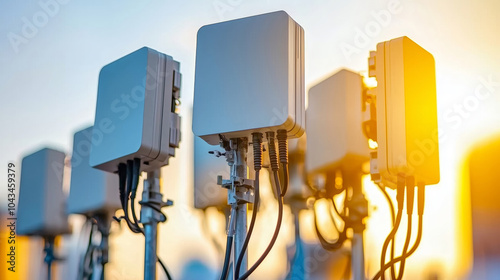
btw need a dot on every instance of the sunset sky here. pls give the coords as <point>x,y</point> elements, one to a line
<point>50,57</point>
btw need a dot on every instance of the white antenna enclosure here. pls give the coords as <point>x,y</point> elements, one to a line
<point>249,78</point>
<point>92,191</point>
<point>42,210</point>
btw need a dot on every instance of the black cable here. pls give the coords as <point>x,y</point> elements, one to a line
<point>133,226</point>
<point>392,234</point>
<point>275,167</point>
<point>91,263</point>
<point>130,175</point>
<point>103,248</point>
<point>275,234</point>
<point>283,153</point>
<point>169,277</point>
<point>389,201</point>
<point>227,258</point>
<point>257,154</point>
<point>86,264</point>
<point>122,181</point>
<point>135,181</point>
<point>128,181</point>
<point>332,219</point>
<point>405,251</point>
<point>410,195</point>
<point>328,245</point>
<point>342,216</point>
<point>393,246</point>
<point>421,203</point>
<point>250,227</point>
<point>285,178</point>
<point>400,200</point>
<point>154,206</point>
<point>412,250</point>
<point>136,169</point>
<point>84,229</point>
<point>122,176</point>
<point>128,190</point>
<point>134,215</point>
<point>391,208</point>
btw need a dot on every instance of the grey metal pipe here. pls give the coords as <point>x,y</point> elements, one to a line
<point>240,170</point>
<point>151,186</point>
<point>239,237</point>
<point>358,257</point>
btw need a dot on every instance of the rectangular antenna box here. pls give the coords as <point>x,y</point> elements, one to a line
<point>135,113</point>
<point>249,77</point>
<point>335,138</point>
<point>406,111</point>
<point>41,209</point>
<point>92,191</point>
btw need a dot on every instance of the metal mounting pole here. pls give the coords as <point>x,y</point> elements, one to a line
<point>240,192</point>
<point>49,254</point>
<point>358,260</point>
<point>297,264</point>
<point>358,210</point>
<point>150,217</point>
<point>227,214</point>
<point>240,170</point>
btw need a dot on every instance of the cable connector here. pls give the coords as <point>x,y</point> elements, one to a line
<point>421,199</point>
<point>135,176</point>
<point>283,151</point>
<point>273,157</point>
<point>283,146</point>
<point>257,150</point>
<point>122,177</point>
<point>410,194</point>
<point>400,188</point>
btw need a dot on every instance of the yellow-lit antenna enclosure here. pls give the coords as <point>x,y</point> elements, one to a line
<point>406,112</point>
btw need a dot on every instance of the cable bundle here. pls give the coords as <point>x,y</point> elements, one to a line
<point>274,167</point>
<point>410,193</point>
<point>329,245</point>
<point>85,270</point>
<point>128,175</point>
<point>273,156</point>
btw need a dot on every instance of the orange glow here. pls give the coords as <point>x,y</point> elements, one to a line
<point>369,82</point>
<point>479,218</point>
<point>22,254</point>
<point>372,144</point>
